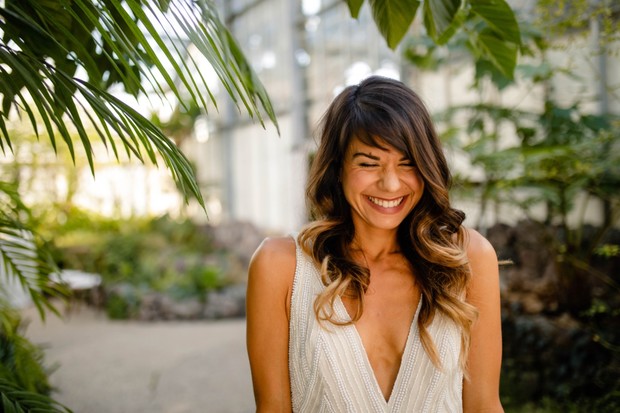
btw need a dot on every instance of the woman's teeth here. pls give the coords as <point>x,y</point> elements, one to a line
<point>384,203</point>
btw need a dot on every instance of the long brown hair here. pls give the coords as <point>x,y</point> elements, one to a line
<point>381,111</point>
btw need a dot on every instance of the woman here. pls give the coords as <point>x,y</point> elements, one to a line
<point>385,303</point>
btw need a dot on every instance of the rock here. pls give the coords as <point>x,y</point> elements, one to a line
<point>158,306</point>
<point>242,238</point>
<point>222,303</point>
<point>532,304</point>
<point>151,307</point>
<point>227,302</point>
<point>190,309</point>
<point>531,277</point>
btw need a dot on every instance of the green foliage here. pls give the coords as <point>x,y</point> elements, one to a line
<point>492,61</point>
<point>122,304</point>
<point>21,362</point>
<point>490,27</point>
<point>199,280</point>
<point>393,18</point>
<point>561,158</point>
<point>116,43</point>
<point>58,61</point>
<point>24,256</point>
<point>561,17</point>
<point>137,256</point>
<point>560,153</point>
<point>14,399</point>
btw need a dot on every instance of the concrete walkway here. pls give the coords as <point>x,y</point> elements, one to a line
<point>131,367</point>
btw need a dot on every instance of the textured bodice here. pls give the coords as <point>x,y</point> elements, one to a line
<point>330,371</point>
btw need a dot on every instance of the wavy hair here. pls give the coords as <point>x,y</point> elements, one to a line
<point>381,111</point>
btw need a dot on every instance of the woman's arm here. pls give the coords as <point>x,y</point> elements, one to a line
<point>481,389</point>
<point>270,281</point>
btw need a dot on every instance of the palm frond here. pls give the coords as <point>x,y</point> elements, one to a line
<point>44,44</point>
<point>23,257</point>
<point>13,399</point>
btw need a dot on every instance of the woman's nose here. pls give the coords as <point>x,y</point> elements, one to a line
<point>390,180</point>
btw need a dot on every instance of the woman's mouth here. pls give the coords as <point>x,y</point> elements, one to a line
<point>384,203</point>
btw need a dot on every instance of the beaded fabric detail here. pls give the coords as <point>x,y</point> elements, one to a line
<point>330,371</point>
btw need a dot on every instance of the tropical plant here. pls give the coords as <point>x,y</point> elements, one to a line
<point>21,362</point>
<point>562,154</point>
<point>15,399</point>
<point>489,26</point>
<point>60,62</point>
<point>133,44</point>
<point>60,59</point>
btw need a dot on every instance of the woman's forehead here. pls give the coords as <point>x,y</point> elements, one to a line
<point>370,145</point>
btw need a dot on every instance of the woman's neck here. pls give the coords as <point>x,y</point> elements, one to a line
<point>375,245</point>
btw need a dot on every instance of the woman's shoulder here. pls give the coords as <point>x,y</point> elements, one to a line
<point>482,261</point>
<point>276,248</point>
<point>477,246</point>
<point>275,257</point>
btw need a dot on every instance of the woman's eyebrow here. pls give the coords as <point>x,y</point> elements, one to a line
<point>367,155</point>
<point>376,158</point>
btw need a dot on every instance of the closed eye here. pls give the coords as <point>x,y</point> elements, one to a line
<point>368,165</point>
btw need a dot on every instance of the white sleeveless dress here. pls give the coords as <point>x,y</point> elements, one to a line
<point>330,371</point>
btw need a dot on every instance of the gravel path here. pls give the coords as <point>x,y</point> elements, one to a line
<point>131,367</point>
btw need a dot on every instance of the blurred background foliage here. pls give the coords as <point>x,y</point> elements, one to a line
<point>136,256</point>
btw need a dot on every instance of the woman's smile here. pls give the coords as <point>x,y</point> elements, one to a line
<point>389,205</point>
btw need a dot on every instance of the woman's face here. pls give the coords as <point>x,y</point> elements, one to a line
<point>382,186</point>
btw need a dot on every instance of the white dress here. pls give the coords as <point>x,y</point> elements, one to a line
<point>330,371</point>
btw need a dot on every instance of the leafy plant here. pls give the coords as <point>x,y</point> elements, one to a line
<point>489,26</point>
<point>561,153</point>
<point>23,255</point>
<point>15,399</point>
<point>59,61</point>
<point>139,256</point>
<point>44,44</point>
<point>21,362</point>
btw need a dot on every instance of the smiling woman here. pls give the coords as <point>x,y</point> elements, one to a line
<point>385,303</point>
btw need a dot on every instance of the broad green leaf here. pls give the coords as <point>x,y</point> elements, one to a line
<point>421,51</point>
<point>393,18</point>
<point>354,7</point>
<point>499,16</point>
<point>439,18</point>
<point>503,54</point>
<point>485,69</point>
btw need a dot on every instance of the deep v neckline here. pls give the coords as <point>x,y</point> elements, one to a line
<point>362,355</point>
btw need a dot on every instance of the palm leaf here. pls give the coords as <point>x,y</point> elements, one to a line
<point>23,257</point>
<point>123,44</point>
<point>13,399</point>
